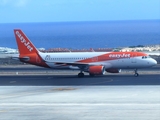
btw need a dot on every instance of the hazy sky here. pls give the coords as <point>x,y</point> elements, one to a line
<point>14,11</point>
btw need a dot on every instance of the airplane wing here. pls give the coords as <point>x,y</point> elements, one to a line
<point>68,63</point>
<point>73,63</point>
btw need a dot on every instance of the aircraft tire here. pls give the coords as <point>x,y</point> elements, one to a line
<point>81,75</point>
<point>136,74</point>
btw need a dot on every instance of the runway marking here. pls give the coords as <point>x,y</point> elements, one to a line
<point>110,80</point>
<point>12,82</point>
<point>77,104</point>
<point>7,110</point>
<point>62,89</point>
<point>22,94</point>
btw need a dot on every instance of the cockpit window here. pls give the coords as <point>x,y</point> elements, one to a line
<point>144,57</point>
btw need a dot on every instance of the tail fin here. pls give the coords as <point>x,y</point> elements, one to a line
<point>25,46</point>
<point>27,52</point>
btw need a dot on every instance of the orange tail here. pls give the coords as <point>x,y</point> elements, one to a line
<point>27,52</point>
<point>25,46</point>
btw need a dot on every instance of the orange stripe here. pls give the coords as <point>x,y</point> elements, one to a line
<point>113,56</point>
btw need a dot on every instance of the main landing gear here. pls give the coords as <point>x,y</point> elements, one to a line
<point>136,73</point>
<point>81,74</point>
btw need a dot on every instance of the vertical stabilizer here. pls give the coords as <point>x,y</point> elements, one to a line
<point>25,46</point>
<point>27,52</point>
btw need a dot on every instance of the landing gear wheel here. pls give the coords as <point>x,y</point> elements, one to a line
<point>80,75</point>
<point>136,74</point>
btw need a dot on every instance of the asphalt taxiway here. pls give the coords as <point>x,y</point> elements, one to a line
<point>31,75</point>
<point>67,80</point>
<point>32,93</point>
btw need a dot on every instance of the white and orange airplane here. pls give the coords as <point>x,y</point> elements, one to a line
<point>95,63</point>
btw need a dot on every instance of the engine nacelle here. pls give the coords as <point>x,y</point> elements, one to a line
<point>97,70</point>
<point>113,70</point>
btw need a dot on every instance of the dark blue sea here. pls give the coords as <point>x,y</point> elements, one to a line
<point>78,35</point>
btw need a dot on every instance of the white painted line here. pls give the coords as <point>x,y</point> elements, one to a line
<point>76,104</point>
<point>12,82</point>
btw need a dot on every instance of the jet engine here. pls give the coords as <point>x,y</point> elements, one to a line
<point>96,70</point>
<point>113,70</point>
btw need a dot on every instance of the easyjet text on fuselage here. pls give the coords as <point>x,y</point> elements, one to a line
<point>119,55</point>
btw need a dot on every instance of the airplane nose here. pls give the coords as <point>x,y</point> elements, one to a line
<point>153,62</point>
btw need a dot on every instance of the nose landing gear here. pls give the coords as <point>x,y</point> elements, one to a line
<point>136,73</point>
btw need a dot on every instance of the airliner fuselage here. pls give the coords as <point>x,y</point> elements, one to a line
<point>98,58</point>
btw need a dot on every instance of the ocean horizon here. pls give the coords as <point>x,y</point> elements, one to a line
<point>84,35</point>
